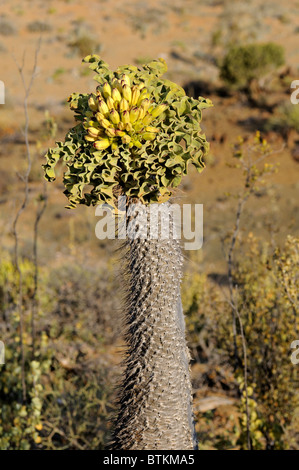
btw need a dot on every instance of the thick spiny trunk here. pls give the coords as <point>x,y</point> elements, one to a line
<point>155,396</point>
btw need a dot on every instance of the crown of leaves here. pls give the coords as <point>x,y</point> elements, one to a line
<point>135,136</point>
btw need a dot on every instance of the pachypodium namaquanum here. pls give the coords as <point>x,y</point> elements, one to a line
<point>136,133</point>
<point>135,136</point>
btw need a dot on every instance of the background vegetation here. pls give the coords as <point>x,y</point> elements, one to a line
<point>60,299</point>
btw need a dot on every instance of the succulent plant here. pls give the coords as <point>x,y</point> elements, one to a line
<point>135,136</point>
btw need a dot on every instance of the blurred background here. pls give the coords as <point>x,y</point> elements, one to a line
<point>60,298</point>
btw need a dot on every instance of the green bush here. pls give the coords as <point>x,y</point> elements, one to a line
<point>83,44</point>
<point>253,61</point>
<point>287,118</point>
<point>267,283</point>
<point>20,420</point>
<point>84,298</point>
<point>67,403</point>
<point>267,287</point>
<point>76,407</point>
<point>39,27</point>
<point>7,28</point>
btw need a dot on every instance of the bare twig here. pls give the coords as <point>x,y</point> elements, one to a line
<point>250,185</point>
<point>244,350</point>
<point>230,273</point>
<point>40,211</point>
<point>27,89</point>
<point>294,304</point>
<point>249,189</point>
<point>235,311</point>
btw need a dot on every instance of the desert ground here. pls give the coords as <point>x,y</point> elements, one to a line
<point>84,330</point>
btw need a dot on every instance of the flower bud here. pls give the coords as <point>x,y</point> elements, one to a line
<point>143,95</point>
<point>93,132</point>
<point>137,144</point>
<point>114,116</point>
<point>92,103</point>
<point>100,117</point>
<point>90,123</point>
<point>146,104</point>
<point>99,91</point>
<point>126,139</point>
<point>119,133</point>
<point>103,108</point>
<point>105,123</point>
<point>116,96</point>
<point>149,136</point>
<point>110,132</point>
<point>88,138</point>
<point>114,146</point>
<point>159,110</point>
<point>138,126</point>
<point>106,90</point>
<point>142,112</point>
<point>123,105</point>
<point>102,144</point>
<point>126,79</point>
<point>117,84</point>
<point>135,95</point>
<point>127,93</point>
<point>147,119</point>
<point>152,129</point>
<point>125,117</point>
<point>129,127</point>
<point>134,113</point>
<point>110,103</point>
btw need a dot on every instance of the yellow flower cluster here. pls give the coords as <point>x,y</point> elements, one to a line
<point>121,113</point>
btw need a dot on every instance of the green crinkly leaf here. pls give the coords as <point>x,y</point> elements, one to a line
<point>135,136</point>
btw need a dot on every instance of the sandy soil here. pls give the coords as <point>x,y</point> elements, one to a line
<point>180,31</point>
